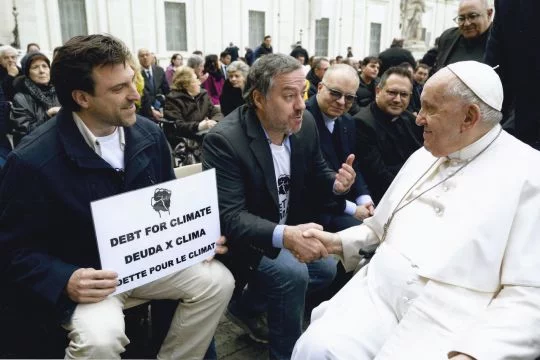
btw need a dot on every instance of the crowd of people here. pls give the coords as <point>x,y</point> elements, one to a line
<point>318,162</point>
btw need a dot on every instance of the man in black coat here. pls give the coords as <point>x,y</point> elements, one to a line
<point>385,133</point>
<point>315,75</point>
<point>155,84</point>
<point>271,177</point>
<point>337,133</point>
<point>8,70</point>
<point>264,49</point>
<point>395,55</point>
<point>468,40</point>
<point>511,46</point>
<point>48,247</point>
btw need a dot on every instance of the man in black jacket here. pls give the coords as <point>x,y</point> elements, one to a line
<point>315,75</point>
<point>468,40</point>
<point>337,133</point>
<point>271,177</point>
<point>8,70</point>
<point>385,133</point>
<point>155,84</point>
<point>264,49</point>
<point>96,147</point>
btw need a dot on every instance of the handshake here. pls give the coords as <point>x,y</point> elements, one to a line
<point>308,242</point>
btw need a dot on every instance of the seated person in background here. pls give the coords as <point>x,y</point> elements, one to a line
<point>155,83</point>
<point>385,134</point>
<point>196,62</point>
<point>95,147</point>
<point>8,70</point>
<point>271,177</point>
<point>35,100</point>
<point>189,107</point>
<point>368,80</point>
<point>232,94</point>
<point>337,134</point>
<point>176,61</point>
<point>456,275</point>
<point>420,76</point>
<point>215,81</point>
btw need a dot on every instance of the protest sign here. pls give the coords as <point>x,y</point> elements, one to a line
<point>152,232</point>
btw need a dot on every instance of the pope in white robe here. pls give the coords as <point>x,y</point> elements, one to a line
<point>457,274</point>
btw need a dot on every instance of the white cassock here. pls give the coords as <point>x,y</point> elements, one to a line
<point>459,269</point>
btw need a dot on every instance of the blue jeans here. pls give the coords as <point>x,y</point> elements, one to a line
<point>280,286</point>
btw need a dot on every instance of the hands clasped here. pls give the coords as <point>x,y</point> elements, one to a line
<point>308,242</point>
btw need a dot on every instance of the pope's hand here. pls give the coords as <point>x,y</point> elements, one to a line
<point>331,241</point>
<point>345,176</point>
<point>305,249</point>
<point>88,285</point>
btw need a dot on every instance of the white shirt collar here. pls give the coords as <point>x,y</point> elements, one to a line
<point>91,139</point>
<point>328,122</point>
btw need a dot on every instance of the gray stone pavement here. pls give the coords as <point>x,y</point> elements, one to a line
<point>233,343</point>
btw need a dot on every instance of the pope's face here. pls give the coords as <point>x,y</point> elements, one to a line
<point>441,116</point>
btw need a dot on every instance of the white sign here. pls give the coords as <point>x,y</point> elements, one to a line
<point>152,232</point>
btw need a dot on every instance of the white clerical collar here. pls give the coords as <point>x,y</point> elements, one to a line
<point>91,139</point>
<point>469,151</point>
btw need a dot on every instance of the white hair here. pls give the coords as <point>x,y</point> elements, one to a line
<point>457,88</point>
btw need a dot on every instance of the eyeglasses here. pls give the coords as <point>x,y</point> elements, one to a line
<point>336,95</point>
<point>460,20</point>
<point>393,93</point>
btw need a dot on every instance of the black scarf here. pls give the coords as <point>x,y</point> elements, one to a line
<point>43,94</point>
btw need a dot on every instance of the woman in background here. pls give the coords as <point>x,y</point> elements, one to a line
<point>231,96</point>
<point>190,108</point>
<point>35,99</point>
<point>176,61</point>
<point>215,81</point>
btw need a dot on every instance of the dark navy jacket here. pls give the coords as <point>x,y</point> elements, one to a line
<point>46,186</point>
<point>335,157</point>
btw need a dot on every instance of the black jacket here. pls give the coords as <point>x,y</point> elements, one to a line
<point>512,45</point>
<point>366,93</point>
<point>335,152</point>
<point>394,56</point>
<point>27,112</point>
<point>238,149</point>
<point>262,50</point>
<point>187,112</point>
<point>383,146</point>
<point>231,98</point>
<point>448,42</point>
<point>313,83</point>
<point>46,186</point>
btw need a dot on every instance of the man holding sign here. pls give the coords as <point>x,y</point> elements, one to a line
<point>96,147</point>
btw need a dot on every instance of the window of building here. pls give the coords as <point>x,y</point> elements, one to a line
<point>175,26</point>
<point>256,28</point>
<point>375,39</point>
<point>321,37</point>
<point>72,18</point>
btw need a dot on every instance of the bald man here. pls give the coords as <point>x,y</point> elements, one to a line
<point>456,274</point>
<point>468,40</point>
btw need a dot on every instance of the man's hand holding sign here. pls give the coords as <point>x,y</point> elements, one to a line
<point>167,229</point>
